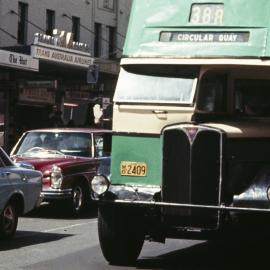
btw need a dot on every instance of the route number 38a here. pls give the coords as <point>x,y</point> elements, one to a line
<point>207,13</point>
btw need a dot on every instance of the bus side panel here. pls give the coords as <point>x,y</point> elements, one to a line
<point>133,148</point>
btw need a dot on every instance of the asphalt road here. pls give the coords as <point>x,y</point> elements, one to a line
<point>49,239</point>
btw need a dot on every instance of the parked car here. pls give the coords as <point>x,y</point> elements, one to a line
<point>20,192</point>
<point>68,159</point>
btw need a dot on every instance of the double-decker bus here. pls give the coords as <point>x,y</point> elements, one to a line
<point>191,124</point>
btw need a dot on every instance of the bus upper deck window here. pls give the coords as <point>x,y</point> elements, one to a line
<point>212,96</point>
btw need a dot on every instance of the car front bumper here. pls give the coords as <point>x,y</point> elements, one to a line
<point>56,194</point>
<point>39,200</point>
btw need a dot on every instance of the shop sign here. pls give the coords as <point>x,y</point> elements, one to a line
<point>17,60</point>
<point>73,86</point>
<point>109,67</point>
<point>61,48</point>
<point>77,95</point>
<point>39,84</point>
<point>61,39</point>
<point>68,104</point>
<point>61,56</point>
<point>37,95</point>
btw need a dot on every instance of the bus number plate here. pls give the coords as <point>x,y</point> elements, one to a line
<point>133,168</point>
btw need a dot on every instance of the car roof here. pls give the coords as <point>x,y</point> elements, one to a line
<point>81,130</point>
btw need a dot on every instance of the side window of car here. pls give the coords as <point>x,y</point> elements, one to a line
<point>99,146</point>
<point>103,145</point>
<point>4,159</point>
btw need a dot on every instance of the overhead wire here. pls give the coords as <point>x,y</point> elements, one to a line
<point>7,33</point>
<point>14,12</point>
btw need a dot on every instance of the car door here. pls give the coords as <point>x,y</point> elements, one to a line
<point>5,187</point>
<point>10,179</point>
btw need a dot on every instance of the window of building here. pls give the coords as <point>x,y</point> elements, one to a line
<point>22,23</point>
<point>109,5</point>
<point>112,42</point>
<point>50,21</point>
<point>97,42</point>
<point>76,28</point>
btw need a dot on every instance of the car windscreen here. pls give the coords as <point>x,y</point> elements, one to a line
<point>47,144</point>
<point>165,84</point>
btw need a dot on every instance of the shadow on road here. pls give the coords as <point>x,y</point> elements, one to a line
<point>60,211</point>
<point>238,253</point>
<point>28,238</point>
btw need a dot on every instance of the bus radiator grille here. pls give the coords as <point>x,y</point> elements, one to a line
<point>191,175</point>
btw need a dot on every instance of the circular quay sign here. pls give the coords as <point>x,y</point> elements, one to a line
<point>61,48</point>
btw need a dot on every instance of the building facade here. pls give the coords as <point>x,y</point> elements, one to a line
<point>47,48</point>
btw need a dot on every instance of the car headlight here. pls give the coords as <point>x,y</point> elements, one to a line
<point>268,193</point>
<point>56,177</point>
<point>100,184</point>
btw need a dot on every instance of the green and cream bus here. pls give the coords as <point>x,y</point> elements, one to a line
<point>191,124</point>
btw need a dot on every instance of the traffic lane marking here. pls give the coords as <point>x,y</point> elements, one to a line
<point>69,226</point>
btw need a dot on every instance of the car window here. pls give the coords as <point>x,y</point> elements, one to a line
<point>78,144</point>
<point>31,140</point>
<point>55,143</point>
<point>102,145</point>
<point>4,159</point>
<point>99,146</point>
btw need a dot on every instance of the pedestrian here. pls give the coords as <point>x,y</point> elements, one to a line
<point>55,119</point>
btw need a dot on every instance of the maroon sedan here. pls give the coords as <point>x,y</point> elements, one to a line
<point>68,159</point>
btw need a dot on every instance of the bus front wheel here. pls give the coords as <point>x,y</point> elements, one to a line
<point>121,236</point>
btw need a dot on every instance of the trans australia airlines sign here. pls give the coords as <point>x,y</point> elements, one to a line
<point>61,48</point>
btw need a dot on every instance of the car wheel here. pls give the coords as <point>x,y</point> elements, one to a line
<point>120,235</point>
<point>8,221</point>
<point>78,199</point>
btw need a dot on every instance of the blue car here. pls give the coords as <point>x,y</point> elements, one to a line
<point>20,188</point>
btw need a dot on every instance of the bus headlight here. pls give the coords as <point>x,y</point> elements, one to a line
<point>100,184</point>
<point>56,177</point>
